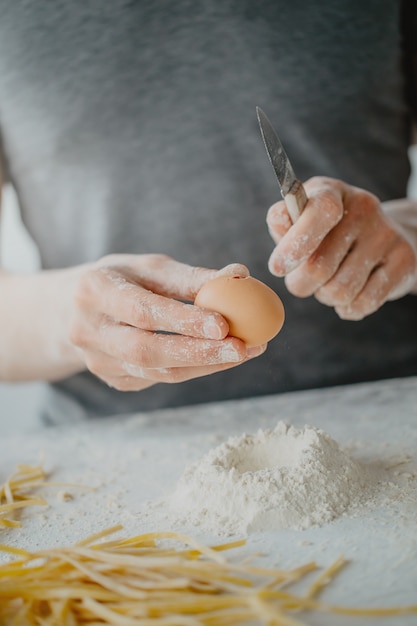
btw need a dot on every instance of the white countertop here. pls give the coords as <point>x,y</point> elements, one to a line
<point>133,460</point>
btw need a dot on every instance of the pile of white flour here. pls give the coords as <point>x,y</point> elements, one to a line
<point>274,479</point>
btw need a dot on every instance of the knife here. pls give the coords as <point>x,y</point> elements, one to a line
<point>292,189</point>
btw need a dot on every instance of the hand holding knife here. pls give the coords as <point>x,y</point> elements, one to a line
<point>292,189</point>
<point>362,258</point>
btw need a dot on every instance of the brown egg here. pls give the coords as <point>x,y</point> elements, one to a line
<point>253,311</point>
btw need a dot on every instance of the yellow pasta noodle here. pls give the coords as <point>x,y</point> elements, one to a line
<point>16,493</point>
<point>157,579</point>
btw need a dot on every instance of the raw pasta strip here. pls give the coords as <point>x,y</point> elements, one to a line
<point>157,579</point>
<point>16,492</point>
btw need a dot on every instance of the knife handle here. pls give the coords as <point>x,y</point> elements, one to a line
<point>296,199</point>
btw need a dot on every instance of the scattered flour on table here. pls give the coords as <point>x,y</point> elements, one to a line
<point>274,479</point>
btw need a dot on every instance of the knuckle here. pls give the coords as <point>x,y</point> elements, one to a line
<point>330,206</point>
<point>325,196</point>
<point>319,181</point>
<point>155,261</point>
<point>141,355</point>
<point>142,311</point>
<point>364,203</point>
<point>318,269</point>
<point>297,286</point>
<point>109,261</point>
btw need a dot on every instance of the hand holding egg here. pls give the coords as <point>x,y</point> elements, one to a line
<point>133,325</point>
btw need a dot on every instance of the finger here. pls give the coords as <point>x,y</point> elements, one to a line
<point>134,305</point>
<point>152,350</point>
<point>163,375</point>
<point>403,266</point>
<point>349,281</point>
<point>110,371</point>
<point>339,292</point>
<point>278,221</point>
<point>129,377</point>
<point>161,274</point>
<point>323,264</point>
<point>128,383</point>
<point>234,269</point>
<point>369,300</point>
<point>369,252</point>
<point>323,211</point>
<point>382,283</point>
<point>181,374</point>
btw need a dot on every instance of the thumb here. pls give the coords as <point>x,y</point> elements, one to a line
<point>234,269</point>
<point>203,275</point>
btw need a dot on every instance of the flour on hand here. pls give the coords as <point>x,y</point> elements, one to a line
<point>274,479</point>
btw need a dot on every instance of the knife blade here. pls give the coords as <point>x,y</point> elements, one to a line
<point>292,189</point>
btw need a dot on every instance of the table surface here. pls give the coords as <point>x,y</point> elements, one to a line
<point>135,461</point>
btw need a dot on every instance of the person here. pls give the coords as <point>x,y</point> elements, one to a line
<point>129,133</point>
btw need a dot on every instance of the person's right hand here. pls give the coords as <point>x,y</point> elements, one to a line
<point>132,328</point>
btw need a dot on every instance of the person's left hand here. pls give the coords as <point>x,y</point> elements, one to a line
<point>342,249</point>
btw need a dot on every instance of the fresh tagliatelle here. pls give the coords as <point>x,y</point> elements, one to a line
<point>17,493</point>
<point>157,579</point>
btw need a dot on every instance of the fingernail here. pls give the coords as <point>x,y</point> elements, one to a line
<point>212,330</point>
<point>275,266</point>
<point>282,265</point>
<point>230,355</point>
<point>256,350</point>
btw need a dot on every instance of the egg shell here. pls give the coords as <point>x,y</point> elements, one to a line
<point>253,310</point>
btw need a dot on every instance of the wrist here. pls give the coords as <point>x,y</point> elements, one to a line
<point>37,310</point>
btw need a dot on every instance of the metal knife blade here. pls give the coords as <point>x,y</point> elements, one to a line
<point>292,189</point>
